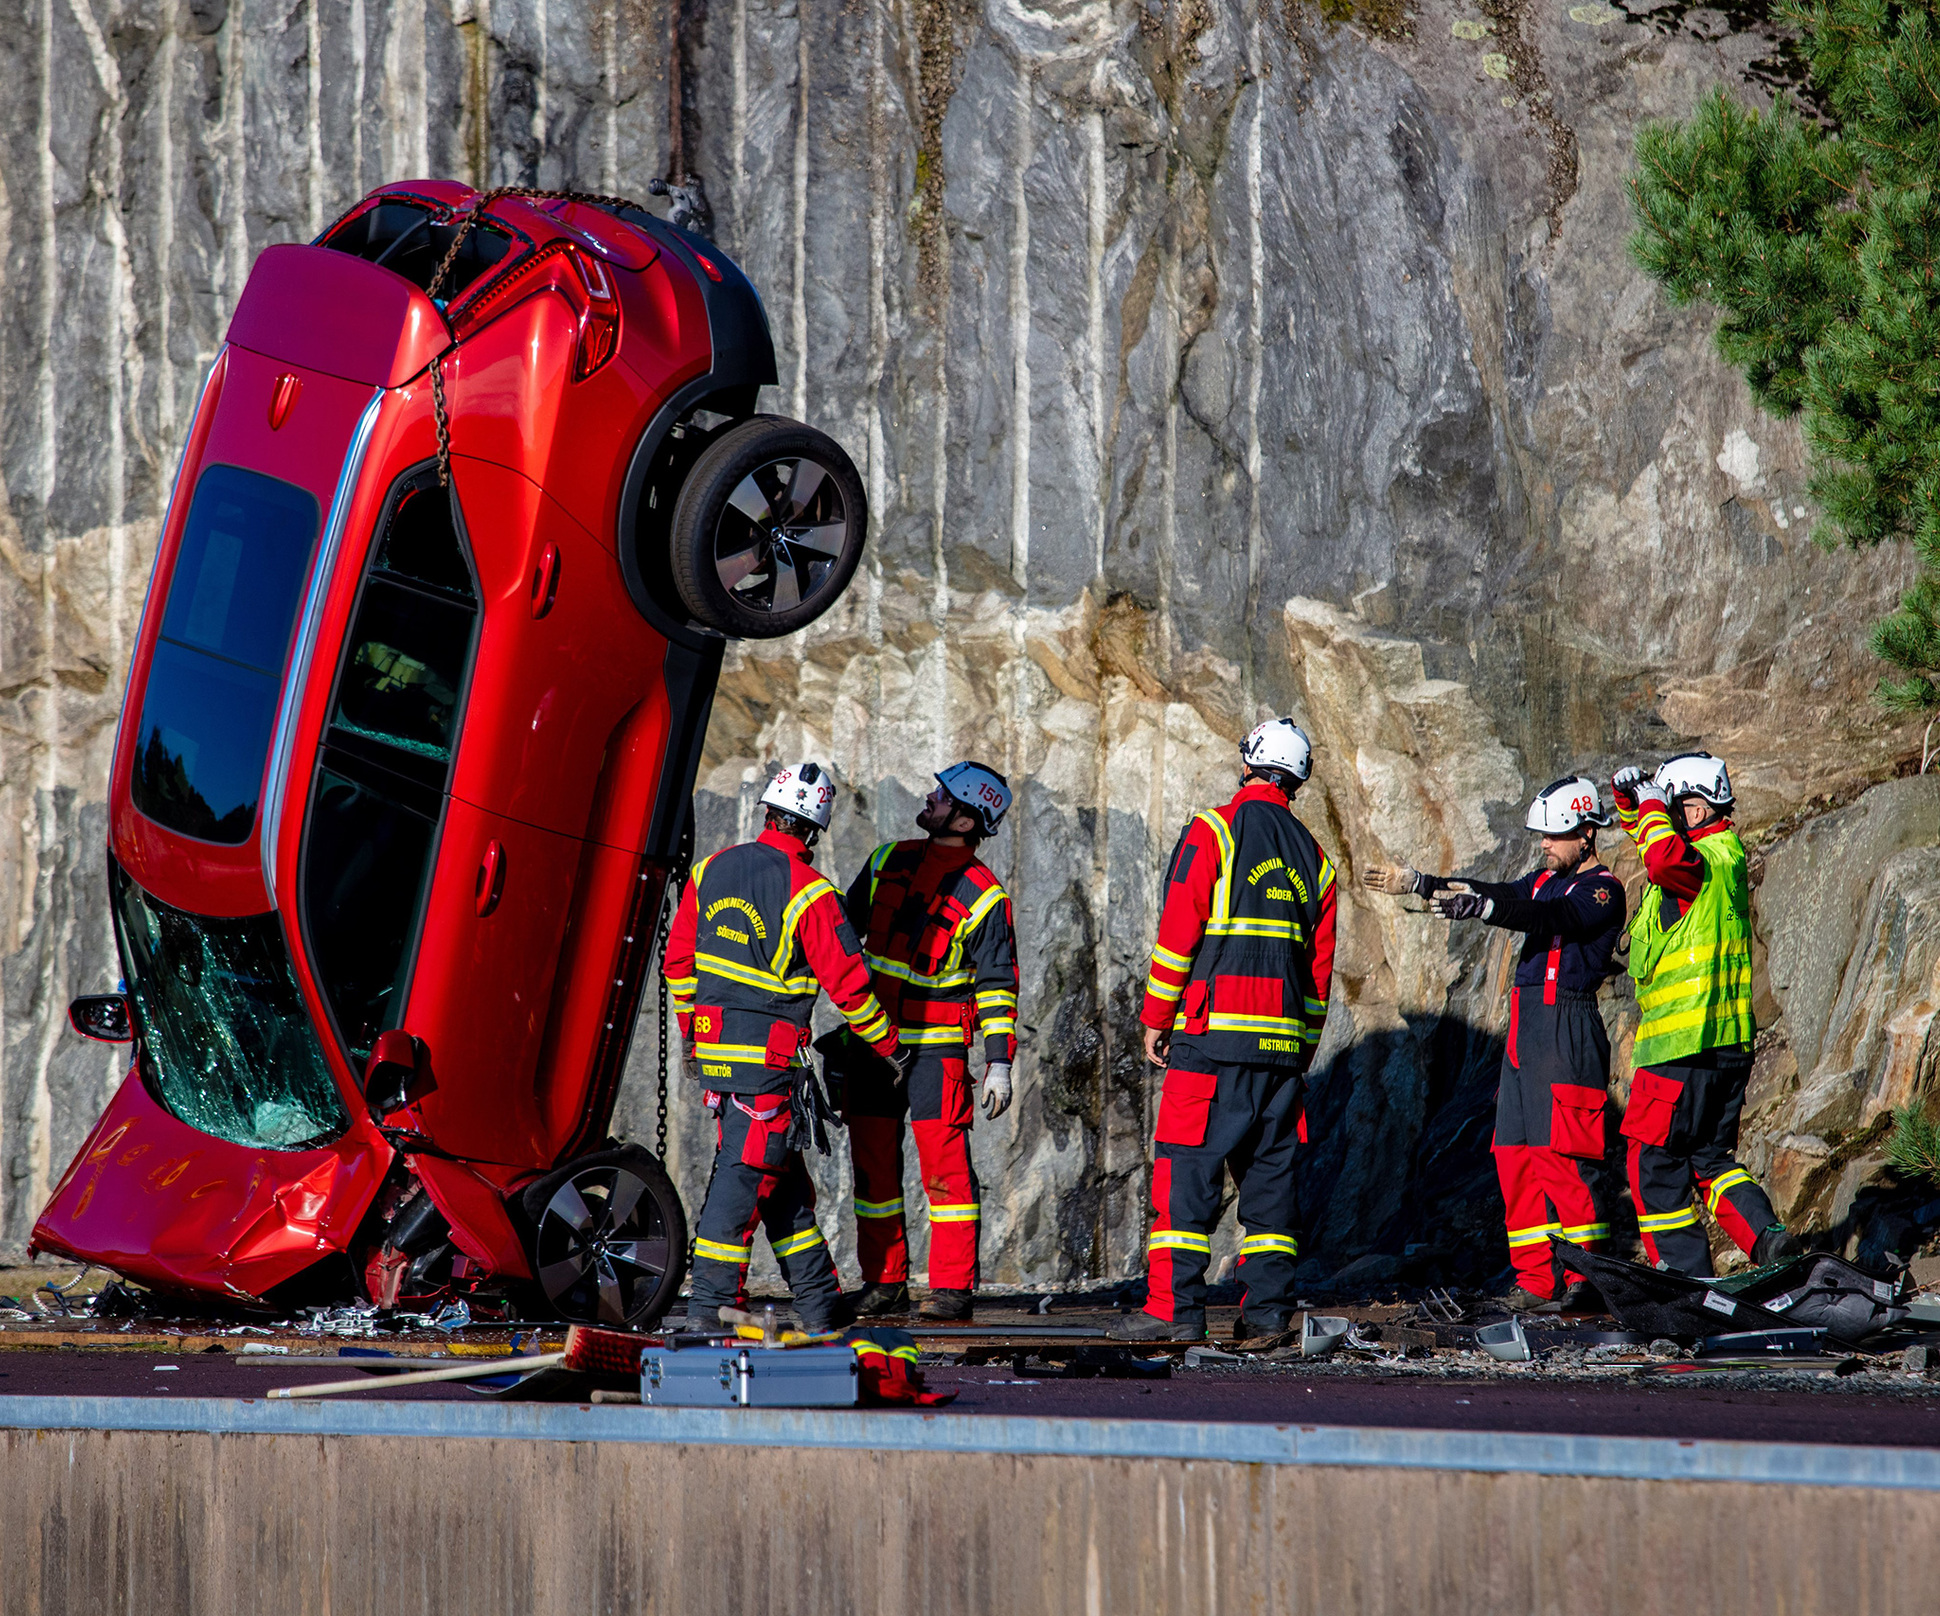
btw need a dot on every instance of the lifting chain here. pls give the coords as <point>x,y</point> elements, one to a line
<point>670,900</point>
<point>467,220</point>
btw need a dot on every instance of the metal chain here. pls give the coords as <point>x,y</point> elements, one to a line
<point>669,901</point>
<point>470,217</point>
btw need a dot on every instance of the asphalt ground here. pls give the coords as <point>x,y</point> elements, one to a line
<point>1648,1401</point>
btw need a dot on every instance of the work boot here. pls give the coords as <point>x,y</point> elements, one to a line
<point>1776,1244</point>
<point>882,1298</point>
<point>1149,1327</point>
<point>1249,1328</point>
<point>946,1307</point>
<point>1526,1301</point>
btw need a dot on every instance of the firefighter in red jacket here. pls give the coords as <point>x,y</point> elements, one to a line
<point>1550,1136</point>
<point>1233,1008</point>
<point>936,927</point>
<point>757,930</point>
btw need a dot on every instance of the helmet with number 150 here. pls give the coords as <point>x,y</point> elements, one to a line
<point>806,791</point>
<point>1281,746</point>
<point>980,790</point>
<point>1566,805</point>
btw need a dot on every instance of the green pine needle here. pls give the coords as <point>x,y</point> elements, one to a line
<point>1914,1147</point>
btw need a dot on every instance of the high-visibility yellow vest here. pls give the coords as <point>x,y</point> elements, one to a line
<point>1694,980</point>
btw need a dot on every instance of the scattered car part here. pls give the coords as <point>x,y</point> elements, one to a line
<point>424,1377</point>
<point>1321,1333</point>
<point>1505,1342</point>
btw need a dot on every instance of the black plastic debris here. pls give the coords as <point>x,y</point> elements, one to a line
<point>1821,1291</point>
<point>1759,1345</point>
<point>1658,1303</point>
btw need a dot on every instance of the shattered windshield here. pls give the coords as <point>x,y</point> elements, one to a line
<point>230,1050</point>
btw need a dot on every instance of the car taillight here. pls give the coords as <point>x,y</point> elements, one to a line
<point>579,277</point>
<point>599,320</point>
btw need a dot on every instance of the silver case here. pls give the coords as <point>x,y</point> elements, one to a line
<point>749,1377</point>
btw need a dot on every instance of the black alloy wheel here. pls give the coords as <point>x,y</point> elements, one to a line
<point>610,1240</point>
<point>768,529</point>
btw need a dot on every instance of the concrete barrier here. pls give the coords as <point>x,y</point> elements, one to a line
<point>158,1506</point>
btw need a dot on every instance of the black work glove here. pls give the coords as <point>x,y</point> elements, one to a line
<point>1461,906</point>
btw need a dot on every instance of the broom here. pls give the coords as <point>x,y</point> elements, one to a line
<point>588,1350</point>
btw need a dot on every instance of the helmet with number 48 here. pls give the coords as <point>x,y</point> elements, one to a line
<point>1566,805</point>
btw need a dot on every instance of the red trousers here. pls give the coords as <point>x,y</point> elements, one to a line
<point>937,1102</point>
<point>1550,1131</point>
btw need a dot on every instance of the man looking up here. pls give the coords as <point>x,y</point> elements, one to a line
<point>936,928</point>
<point>1690,955</point>
<point>1233,1009</point>
<point>1549,1108</point>
<point>757,931</point>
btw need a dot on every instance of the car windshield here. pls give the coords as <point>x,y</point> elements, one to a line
<point>210,701</point>
<point>230,1050</point>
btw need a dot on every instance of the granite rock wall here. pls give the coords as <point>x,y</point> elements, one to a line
<point>1205,359</point>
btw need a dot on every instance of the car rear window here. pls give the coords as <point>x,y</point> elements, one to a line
<point>210,701</point>
<point>386,761</point>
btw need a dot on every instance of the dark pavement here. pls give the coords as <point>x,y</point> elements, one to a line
<point>1691,1406</point>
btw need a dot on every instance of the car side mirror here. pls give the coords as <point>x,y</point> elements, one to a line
<point>389,1073</point>
<point>103,1017</point>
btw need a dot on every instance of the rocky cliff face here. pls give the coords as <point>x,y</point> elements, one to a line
<point>1206,359</point>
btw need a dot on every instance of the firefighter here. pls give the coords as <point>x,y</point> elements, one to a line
<point>756,931</point>
<point>1233,1009</point>
<point>1549,1109</point>
<point>936,928</point>
<point>1690,955</point>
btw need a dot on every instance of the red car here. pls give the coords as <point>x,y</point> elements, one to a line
<point>404,768</point>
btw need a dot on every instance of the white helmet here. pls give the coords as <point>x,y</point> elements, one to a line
<point>1695,774</point>
<point>1281,744</point>
<point>806,791</point>
<point>1566,805</point>
<point>980,790</point>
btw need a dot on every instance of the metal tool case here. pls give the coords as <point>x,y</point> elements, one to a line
<point>735,1376</point>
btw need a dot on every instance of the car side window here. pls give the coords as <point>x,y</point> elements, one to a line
<point>386,760</point>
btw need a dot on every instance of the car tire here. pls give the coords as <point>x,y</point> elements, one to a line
<point>768,529</point>
<point>622,1271</point>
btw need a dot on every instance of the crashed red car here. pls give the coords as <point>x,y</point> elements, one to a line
<point>405,766</point>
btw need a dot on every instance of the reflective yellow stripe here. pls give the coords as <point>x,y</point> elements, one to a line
<point>879,1209</point>
<point>1164,992</point>
<point>995,999</point>
<point>955,1212</point>
<point>1316,1008</point>
<point>1535,1234</point>
<point>797,1243</point>
<point>1326,875</point>
<point>753,976</point>
<point>1003,1024</point>
<point>1660,1222</point>
<point>1659,1025</point>
<point>689,983</point>
<point>869,1020</point>
<point>1269,1242</point>
<point>758,1053</point>
<point>1222,895</point>
<point>931,1036</point>
<point>791,917</point>
<point>717,1251</point>
<point>1578,1233</point>
<point>1256,926</point>
<point>1161,955</point>
<point>1178,1240</point>
<point>993,895</point>
<point>1723,1182</point>
<point>1227,1021</point>
<point>947,978</point>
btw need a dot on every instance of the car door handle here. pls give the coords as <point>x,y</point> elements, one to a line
<point>545,581</point>
<point>490,886</point>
